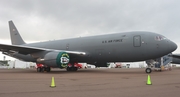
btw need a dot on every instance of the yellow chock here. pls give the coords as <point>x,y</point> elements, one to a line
<point>52,83</point>
<point>149,80</point>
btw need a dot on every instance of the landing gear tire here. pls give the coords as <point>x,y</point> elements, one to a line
<point>68,69</point>
<point>48,69</point>
<point>74,69</point>
<point>71,68</point>
<point>39,69</point>
<point>43,69</point>
<point>148,70</point>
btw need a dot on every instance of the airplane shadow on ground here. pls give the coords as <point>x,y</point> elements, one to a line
<point>81,71</point>
<point>98,71</point>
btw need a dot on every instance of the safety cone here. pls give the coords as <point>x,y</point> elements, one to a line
<point>149,80</point>
<point>52,83</point>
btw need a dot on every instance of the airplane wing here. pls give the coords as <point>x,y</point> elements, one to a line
<point>29,50</point>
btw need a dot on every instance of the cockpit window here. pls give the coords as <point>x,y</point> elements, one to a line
<point>159,38</point>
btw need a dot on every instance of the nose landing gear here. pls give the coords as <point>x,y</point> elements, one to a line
<point>148,70</point>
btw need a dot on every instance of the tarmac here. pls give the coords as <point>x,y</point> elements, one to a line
<point>116,82</point>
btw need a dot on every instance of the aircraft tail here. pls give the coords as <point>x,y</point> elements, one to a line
<point>16,38</point>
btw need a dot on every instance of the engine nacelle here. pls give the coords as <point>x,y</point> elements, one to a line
<point>55,59</point>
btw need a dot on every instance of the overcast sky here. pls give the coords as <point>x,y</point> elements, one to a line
<point>39,20</point>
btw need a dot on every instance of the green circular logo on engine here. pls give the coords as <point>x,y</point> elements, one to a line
<point>62,60</point>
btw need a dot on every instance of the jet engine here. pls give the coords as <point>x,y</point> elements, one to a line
<point>55,59</point>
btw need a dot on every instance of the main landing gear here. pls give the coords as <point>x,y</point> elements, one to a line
<point>72,67</point>
<point>42,69</point>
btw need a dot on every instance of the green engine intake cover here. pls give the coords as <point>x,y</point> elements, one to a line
<point>62,60</point>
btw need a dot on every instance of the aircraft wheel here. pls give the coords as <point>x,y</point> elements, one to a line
<point>48,69</point>
<point>75,69</point>
<point>39,69</point>
<point>42,69</point>
<point>68,69</point>
<point>148,70</point>
<point>71,68</point>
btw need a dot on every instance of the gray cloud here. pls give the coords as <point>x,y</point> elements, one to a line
<point>57,19</point>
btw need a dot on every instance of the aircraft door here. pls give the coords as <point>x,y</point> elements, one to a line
<point>137,41</point>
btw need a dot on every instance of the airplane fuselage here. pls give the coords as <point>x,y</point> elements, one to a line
<point>119,47</point>
<point>96,50</point>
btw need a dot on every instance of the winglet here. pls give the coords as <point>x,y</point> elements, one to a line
<point>16,38</point>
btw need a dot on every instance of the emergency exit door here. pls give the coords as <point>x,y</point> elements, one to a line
<point>137,41</point>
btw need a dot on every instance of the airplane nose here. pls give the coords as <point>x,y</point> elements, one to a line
<point>173,46</point>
